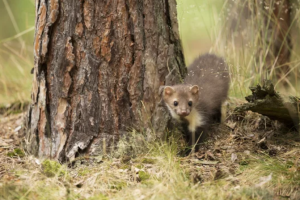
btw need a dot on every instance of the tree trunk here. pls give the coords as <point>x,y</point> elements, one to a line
<point>98,67</point>
<point>278,39</point>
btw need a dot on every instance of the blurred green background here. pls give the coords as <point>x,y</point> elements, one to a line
<point>16,49</point>
<point>203,27</point>
<point>199,25</point>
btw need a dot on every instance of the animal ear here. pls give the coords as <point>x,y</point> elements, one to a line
<point>168,90</point>
<point>194,89</point>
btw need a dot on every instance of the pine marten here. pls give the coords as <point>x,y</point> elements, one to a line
<point>197,102</point>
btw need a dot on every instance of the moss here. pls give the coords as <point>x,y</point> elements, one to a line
<point>148,160</point>
<point>51,168</point>
<point>143,176</point>
<point>118,185</point>
<point>19,152</point>
<point>124,166</point>
<point>16,152</point>
<point>139,166</point>
<point>244,162</point>
<point>11,154</point>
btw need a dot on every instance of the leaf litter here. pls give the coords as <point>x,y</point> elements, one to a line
<point>249,156</point>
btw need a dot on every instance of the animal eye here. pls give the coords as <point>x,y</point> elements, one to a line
<point>190,103</point>
<point>175,103</point>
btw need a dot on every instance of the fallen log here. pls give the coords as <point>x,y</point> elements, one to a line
<point>266,101</point>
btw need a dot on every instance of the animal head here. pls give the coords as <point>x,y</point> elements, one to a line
<point>180,99</point>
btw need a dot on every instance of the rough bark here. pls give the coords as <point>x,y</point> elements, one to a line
<point>277,36</point>
<point>266,101</point>
<point>98,66</point>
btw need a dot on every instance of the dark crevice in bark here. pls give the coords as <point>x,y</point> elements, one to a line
<point>143,69</point>
<point>143,28</point>
<point>36,131</point>
<point>44,75</point>
<point>168,20</point>
<point>29,117</point>
<point>37,16</point>
<point>48,127</point>
<point>131,30</point>
<point>133,55</point>
<point>130,21</point>
<point>37,7</point>
<point>82,17</point>
<point>73,70</point>
<point>143,77</point>
<point>42,59</point>
<point>182,70</point>
<point>73,73</point>
<point>82,5</point>
<point>62,155</point>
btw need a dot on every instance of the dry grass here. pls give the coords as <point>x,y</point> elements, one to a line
<point>223,27</point>
<point>233,164</point>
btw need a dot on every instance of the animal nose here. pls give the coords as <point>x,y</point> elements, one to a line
<point>184,113</point>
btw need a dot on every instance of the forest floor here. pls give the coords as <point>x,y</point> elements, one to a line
<point>247,157</point>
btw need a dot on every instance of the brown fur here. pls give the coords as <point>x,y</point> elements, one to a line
<point>182,94</point>
<point>206,86</point>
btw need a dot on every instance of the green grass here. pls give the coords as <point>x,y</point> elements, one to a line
<point>155,173</point>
